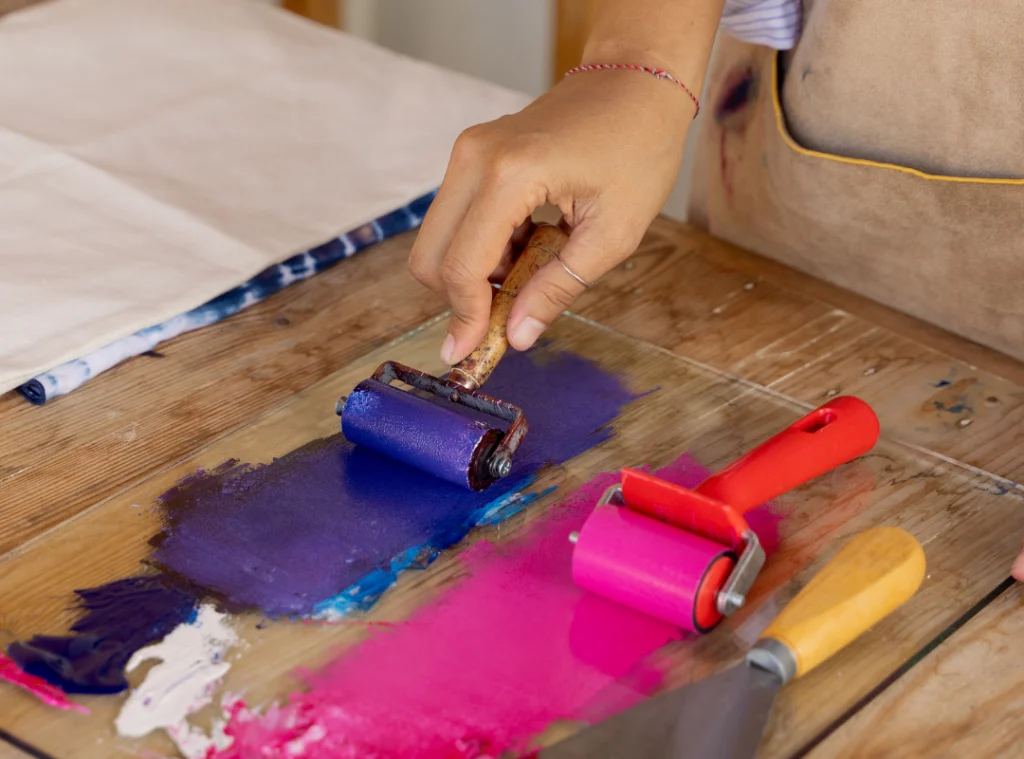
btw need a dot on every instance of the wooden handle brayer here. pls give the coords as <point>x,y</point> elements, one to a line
<point>473,371</point>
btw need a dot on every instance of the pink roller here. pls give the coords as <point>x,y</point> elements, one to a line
<point>650,566</point>
<point>689,557</point>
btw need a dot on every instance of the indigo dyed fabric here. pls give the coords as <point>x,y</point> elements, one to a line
<point>73,374</point>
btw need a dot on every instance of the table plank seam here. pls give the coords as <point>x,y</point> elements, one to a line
<point>26,748</point>
<point>908,665</point>
<point>768,349</point>
<point>819,359</point>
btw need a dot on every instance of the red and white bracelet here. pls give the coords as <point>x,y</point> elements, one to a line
<point>659,73</point>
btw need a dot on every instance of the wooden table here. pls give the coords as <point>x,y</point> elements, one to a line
<point>936,680</point>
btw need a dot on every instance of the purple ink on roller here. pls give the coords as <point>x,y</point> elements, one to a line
<point>418,431</point>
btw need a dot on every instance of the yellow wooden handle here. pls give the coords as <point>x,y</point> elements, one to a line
<point>872,576</point>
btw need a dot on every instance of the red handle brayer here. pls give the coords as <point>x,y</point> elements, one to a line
<point>689,556</point>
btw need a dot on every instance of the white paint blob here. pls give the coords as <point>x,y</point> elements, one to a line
<point>191,663</point>
<point>193,743</point>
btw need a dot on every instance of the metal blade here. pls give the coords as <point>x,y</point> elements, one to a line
<point>722,716</point>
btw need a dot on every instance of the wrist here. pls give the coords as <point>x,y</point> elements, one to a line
<point>673,35</point>
<point>657,73</point>
<point>614,51</point>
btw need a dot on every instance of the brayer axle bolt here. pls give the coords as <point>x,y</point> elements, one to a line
<point>501,466</point>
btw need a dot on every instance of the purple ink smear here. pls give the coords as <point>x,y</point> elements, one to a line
<point>330,525</point>
<point>118,619</point>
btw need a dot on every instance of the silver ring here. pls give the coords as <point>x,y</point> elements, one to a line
<point>569,271</point>
<point>554,254</point>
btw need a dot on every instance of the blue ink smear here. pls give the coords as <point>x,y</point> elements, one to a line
<point>364,594</point>
<point>957,408</point>
<point>328,528</point>
<point>942,383</point>
<point>117,620</point>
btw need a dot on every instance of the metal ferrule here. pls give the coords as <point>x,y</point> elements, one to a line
<point>774,656</point>
<point>462,379</point>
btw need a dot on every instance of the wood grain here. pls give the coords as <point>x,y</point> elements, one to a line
<point>327,12</point>
<point>965,699</point>
<point>808,288</point>
<point>684,291</point>
<point>58,459</point>
<point>82,455</point>
<point>701,298</point>
<point>969,531</point>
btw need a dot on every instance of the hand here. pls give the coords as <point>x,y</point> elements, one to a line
<point>604,147</point>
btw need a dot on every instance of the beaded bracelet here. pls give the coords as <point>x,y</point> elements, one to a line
<point>659,73</point>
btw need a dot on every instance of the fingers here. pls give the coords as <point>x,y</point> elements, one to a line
<point>446,212</point>
<point>470,234</point>
<point>512,251</point>
<point>435,236</point>
<point>589,253</point>
<point>1017,570</point>
<point>548,293</point>
<point>475,253</point>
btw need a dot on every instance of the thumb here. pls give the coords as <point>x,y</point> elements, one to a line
<point>553,288</point>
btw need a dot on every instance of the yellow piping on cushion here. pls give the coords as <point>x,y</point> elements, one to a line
<point>784,133</point>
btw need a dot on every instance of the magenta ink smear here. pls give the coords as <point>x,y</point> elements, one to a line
<point>38,687</point>
<point>117,620</point>
<point>291,536</point>
<point>484,668</point>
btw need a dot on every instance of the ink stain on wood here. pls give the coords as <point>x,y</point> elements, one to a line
<point>953,398</point>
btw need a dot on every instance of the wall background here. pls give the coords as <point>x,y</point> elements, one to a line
<point>509,43</point>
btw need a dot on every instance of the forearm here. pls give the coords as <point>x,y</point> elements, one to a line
<point>676,35</point>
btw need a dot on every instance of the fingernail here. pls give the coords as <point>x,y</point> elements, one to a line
<point>448,350</point>
<point>525,333</point>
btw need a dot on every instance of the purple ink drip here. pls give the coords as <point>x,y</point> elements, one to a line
<point>118,620</point>
<point>285,536</point>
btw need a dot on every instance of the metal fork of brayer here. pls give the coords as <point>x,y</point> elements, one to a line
<point>424,427</point>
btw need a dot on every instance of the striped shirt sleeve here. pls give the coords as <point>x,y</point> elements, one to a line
<point>773,23</point>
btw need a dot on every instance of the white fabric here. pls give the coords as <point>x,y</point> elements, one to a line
<point>156,153</point>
